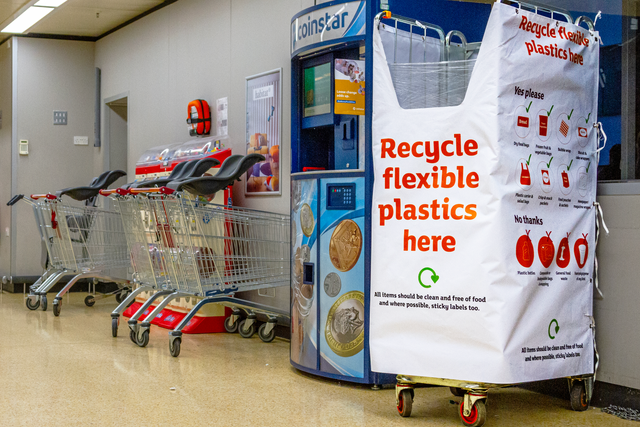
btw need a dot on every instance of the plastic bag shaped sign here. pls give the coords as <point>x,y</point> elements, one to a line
<point>472,205</point>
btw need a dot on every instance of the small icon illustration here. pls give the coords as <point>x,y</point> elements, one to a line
<point>555,330</point>
<point>564,253</point>
<point>564,128</point>
<point>544,121</point>
<point>524,250</point>
<point>434,277</point>
<point>525,176</point>
<point>565,179</point>
<point>582,132</point>
<point>581,250</point>
<point>523,122</point>
<point>545,177</point>
<point>546,250</point>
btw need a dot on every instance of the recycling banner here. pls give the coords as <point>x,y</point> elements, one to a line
<point>483,217</point>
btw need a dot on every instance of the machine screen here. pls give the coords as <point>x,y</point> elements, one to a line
<point>317,90</point>
<point>341,196</point>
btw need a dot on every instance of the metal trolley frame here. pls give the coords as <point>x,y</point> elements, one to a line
<point>83,241</point>
<point>183,246</point>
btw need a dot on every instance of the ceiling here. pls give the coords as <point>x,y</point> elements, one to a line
<point>85,19</point>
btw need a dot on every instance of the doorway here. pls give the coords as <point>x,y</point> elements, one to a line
<point>116,136</point>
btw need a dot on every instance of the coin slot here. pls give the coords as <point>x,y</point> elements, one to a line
<point>307,273</point>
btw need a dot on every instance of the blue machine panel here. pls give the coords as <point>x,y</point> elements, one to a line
<point>341,277</point>
<point>304,244</point>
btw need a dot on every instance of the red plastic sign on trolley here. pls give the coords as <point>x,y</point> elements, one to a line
<point>483,214</point>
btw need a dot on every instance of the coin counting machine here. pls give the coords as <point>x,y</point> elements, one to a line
<point>331,165</point>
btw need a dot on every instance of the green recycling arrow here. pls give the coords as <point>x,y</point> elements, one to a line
<point>557,328</point>
<point>434,277</point>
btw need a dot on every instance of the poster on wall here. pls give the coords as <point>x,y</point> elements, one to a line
<point>222,124</point>
<point>263,104</point>
<point>483,216</point>
<point>349,87</point>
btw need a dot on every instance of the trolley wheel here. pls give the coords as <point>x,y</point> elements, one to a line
<point>268,337</point>
<point>57,307</point>
<point>248,332</point>
<point>230,327</point>
<point>478,414</point>
<point>174,348</point>
<point>43,302</point>
<point>457,391</point>
<point>89,301</point>
<point>120,296</point>
<point>579,400</point>
<point>405,402</point>
<point>33,306</point>
<point>132,337</point>
<point>114,327</point>
<point>142,342</point>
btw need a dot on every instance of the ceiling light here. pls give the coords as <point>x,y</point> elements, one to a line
<point>27,19</point>
<point>50,3</point>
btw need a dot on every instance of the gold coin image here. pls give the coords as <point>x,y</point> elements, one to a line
<point>307,222</point>
<point>344,330</point>
<point>345,245</point>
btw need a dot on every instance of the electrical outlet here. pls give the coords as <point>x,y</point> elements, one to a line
<point>81,140</point>
<point>59,117</point>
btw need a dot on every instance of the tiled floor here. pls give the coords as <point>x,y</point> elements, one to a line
<point>70,371</point>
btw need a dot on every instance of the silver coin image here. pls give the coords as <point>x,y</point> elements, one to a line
<point>305,253</point>
<point>332,284</point>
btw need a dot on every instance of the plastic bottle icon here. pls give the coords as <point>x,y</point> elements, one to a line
<point>525,176</point>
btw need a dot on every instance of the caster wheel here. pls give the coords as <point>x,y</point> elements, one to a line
<point>142,342</point>
<point>132,337</point>
<point>579,400</point>
<point>405,402</point>
<point>114,327</point>
<point>478,415</point>
<point>89,301</point>
<point>175,348</point>
<point>249,331</point>
<point>268,337</point>
<point>457,391</point>
<point>120,296</point>
<point>57,307</point>
<point>33,306</point>
<point>230,326</point>
<point>43,302</point>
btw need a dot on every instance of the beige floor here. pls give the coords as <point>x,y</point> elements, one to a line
<point>69,371</point>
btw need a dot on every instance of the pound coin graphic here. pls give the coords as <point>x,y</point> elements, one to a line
<point>344,330</point>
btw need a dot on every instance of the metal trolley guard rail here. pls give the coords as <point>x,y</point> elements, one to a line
<point>183,246</point>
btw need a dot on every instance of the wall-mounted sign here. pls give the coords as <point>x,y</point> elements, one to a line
<point>329,23</point>
<point>349,96</point>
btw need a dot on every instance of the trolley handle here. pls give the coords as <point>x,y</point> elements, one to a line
<point>15,199</point>
<point>161,190</point>
<point>48,196</point>
<point>120,191</point>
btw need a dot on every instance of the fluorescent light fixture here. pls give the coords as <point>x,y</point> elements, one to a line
<point>27,19</point>
<point>50,3</point>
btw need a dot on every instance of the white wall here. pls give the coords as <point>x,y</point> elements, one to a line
<point>201,49</point>
<point>5,156</point>
<point>618,314</point>
<point>50,75</point>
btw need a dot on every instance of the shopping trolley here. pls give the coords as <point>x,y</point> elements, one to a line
<point>150,272</point>
<point>80,240</point>
<point>196,248</point>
